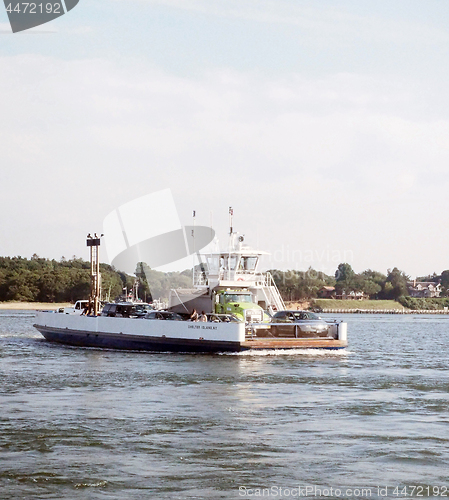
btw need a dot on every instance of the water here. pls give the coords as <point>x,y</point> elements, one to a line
<point>92,424</point>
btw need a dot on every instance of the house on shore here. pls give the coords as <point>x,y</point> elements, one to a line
<point>423,289</point>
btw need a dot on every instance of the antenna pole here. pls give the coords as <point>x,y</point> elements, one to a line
<point>193,253</point>
<point>231,213</point>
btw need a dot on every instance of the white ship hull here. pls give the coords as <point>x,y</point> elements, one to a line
<point>159,335</point>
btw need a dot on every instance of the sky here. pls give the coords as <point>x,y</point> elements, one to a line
<point>324,124</point>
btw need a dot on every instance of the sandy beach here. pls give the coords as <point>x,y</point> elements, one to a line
<point>32,306</point>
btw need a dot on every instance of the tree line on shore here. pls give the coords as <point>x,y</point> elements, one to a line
<point>48,280</point>
<point>45,280</point>
<point>301,285</point>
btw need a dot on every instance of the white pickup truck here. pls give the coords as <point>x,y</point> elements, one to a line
<point>78,308</point>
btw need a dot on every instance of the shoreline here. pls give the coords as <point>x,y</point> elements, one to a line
<point>32,306</point>
<point>384,311</point>
<point>43,306</point>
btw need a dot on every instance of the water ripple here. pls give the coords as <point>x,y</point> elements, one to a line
<point>96,424</point>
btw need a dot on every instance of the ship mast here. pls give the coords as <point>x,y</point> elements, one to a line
<point>193,253</point>
<point>94,299</point>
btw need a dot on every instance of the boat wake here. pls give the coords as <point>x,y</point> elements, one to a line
<point>312,353</point>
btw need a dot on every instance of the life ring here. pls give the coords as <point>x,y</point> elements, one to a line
<point>240,279</point>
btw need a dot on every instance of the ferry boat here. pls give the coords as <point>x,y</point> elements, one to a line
<point>226,284</point>
<point>142,334</point>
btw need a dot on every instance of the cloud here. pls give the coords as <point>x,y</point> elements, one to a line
<point>319,20</point>
<point>299,158</point>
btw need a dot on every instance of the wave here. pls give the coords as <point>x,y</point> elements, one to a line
<point>314,353</point>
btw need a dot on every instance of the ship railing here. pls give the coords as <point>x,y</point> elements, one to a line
<point>258,279</point>
<point>263,280</point>
<point>275,295</point>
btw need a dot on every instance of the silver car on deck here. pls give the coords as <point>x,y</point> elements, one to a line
<point>298,324</point>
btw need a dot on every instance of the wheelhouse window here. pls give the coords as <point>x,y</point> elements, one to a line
<point>232,262</point>
<point>248,263</point>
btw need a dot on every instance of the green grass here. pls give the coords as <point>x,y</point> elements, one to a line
<point>357,304</point>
